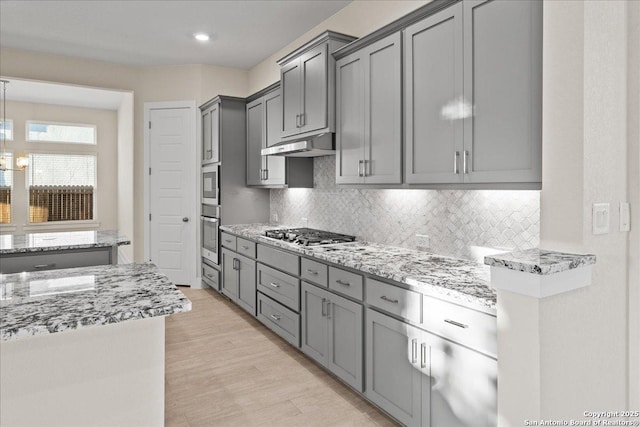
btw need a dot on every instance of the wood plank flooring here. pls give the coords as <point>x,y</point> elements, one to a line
<point>224,368</point>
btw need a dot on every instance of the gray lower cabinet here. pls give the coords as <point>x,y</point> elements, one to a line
<point>54,260</point>
<point>239,280</point>
<point>473,94</point>
<point>424,380</point>
<point>369,114</point>
<point>332,333</point>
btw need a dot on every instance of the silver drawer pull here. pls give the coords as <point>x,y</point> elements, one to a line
<point>454,323</point>
<point>315,273</point>
<point>228,241</point>
<point>340,282</point>
<point>275,285</point>
<point>41,266</point>
<point>414,350</point>
<point>246,248</point>
<point>385,298</point>
<point>208,275</point>
<point>275,317</point>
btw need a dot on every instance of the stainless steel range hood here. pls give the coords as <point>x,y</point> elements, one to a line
<point>320,145</point>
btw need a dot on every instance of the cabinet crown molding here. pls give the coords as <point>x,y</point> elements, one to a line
<point>318,40</point>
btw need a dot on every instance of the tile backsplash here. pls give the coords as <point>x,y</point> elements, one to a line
<point>458,223</point>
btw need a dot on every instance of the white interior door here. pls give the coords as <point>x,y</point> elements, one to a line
<point>172,229</point>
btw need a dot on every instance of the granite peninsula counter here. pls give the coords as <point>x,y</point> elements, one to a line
<point>459,281</point>
<point>74,339</point>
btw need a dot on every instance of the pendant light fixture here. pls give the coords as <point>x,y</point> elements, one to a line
<point>22,161</point>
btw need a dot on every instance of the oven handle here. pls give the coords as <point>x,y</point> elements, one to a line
<point>207,219</point>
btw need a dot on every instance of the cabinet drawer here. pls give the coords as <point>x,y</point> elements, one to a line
<point>466,326</point>
<point>211,276</point>
<point>280,286</point>
<point>228,240</point>
<point>314,272</point>
<point>54,260</point>
<point>279,319</point>
<point>246,247</point>
<point>346,283</point>
<point>278,259</point>
<point>395,300</point>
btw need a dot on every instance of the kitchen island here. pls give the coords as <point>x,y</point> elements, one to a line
<point>66,249</point>
<point>85,346</point>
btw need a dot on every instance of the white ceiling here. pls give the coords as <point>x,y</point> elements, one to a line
<point>151,32</point>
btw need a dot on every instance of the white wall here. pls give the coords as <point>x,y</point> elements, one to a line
<point>107,134</point>
<point>126,217</point>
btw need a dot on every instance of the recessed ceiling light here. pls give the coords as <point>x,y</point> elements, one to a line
<point>201,37</point>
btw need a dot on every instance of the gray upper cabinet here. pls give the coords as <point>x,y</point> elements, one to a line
<point>255,119</point>
<point>307,78</point>
<point>473,99</point>
<point>273,165</point>
<point>332,333</point>
<point>369,114</point>
<point>433,86</point>
<point>211,134</point>
<point>503,82</point>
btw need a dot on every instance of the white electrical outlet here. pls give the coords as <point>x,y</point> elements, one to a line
<point>601,218</point>
<point>625,217</point>
<point>274,217</point>
<point>422,241</point>
<point>305,222</point>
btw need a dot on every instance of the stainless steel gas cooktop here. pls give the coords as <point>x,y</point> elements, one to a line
<point>308,236</point>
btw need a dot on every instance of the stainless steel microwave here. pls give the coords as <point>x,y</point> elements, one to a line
<point>211,184</point>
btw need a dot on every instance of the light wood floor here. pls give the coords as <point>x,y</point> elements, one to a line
<point>224,368</point>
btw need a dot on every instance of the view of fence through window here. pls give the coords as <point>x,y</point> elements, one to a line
<point>5,190</point>
<point>61,187</point>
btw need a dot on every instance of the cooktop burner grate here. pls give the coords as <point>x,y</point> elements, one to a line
<point>308,236</point>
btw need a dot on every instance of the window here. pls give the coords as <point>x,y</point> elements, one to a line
<point>60,132</point>
<point>6,183</point>
<point>6,128</point>
<point>61,187</point>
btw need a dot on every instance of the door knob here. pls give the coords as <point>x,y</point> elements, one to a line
<point>185,219</point>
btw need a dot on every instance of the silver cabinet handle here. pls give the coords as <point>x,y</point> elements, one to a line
<point>41,266</point>
<point>414,350</point>
<point>465,162</point>
<point>303,119</point>
<point>364,168</point>
<point>266,174</point>
<point>324,310</point>
<point>454,323</point>
<point>209,276</point>
<point>228,241</point>
<point>214,220</point>
<point>340,282</point>
<point>456,157</point>
<point>328,309</point>
<point>261,175</point>
<point>315,273</point>
<point>275,285</point>
<point>275,317</point>
<point>387,299</point>
<point>246,248</point>
<point>423,355</point>
<point>360,163</point>
<point>297,120</point>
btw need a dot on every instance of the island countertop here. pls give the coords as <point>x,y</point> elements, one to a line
<point>54,301</point>
<point>63,240</point>
<point>456,280</point>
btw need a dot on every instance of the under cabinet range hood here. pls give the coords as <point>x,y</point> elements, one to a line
<point>320,145</point>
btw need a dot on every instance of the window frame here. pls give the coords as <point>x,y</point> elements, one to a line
<point>12,130</point>
<point>48,122</point>
<point>88,223</point>
<point>10,226</point>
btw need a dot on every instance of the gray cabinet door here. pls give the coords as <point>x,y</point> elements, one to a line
<point>206,136</point>
<point>313,67</point>
<point>433,98</point>
<point>462,387</point>
<point>290,86</point>
<point>255,142</point>
<point>274,165</point>
<point>229,274</point>
<point>350,119</point>
<point>383,112</point>
<point>246,296</point>
<point>502,80</point>
<point>345,340</point>
<point>215,134</point>
<point>393,373</point>
<point>315,324</point>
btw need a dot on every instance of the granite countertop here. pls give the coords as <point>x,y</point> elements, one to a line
<point>539,261</point>
<point>49,302</point>
<point>63,240</point>
<point>459,281</point>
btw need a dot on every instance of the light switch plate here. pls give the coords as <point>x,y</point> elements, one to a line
<point>600,218</point>
<point>625,217</point>
<point>422,241</point>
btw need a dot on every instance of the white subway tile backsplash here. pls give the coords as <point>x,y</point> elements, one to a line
<point>458,222</point>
